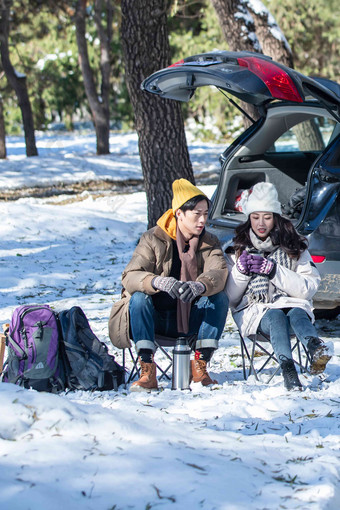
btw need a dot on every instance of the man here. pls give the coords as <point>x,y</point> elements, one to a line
<point>173,286</point>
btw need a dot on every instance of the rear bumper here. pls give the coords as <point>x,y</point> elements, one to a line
<point>328,294</point>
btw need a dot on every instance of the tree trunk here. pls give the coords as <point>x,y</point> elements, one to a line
<point>238,29</point>
<point>247,29</point>
<point>159,122</point>
<point>273,42</point>
<point>308,136</point>
<point>99,105</point>
<point>237,25</point>
<point>105,38</point>
<point>17,82</point>
<point>3,152</point>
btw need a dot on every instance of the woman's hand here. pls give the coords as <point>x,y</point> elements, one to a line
<point>262,266</point>
<point>242,263</point>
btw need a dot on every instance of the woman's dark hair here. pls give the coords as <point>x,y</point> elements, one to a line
<point>189,205</point>
<point>283,234</point>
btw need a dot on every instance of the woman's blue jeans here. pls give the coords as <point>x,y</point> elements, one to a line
<point>207,319</point>
<point>279,324</point>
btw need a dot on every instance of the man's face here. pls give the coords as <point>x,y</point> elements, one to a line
<point>191,223</point>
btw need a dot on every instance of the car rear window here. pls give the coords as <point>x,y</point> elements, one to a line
<point>310,135</point>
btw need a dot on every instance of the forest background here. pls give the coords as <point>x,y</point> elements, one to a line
<point>43,47</point>
<point>80,61</point>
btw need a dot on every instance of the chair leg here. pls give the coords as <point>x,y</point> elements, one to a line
<point>243,360</point>
<point>297,344</point>
<point>271,355</point>
<point>164,351</point>
<point>250,359</point>
<point>299,362</point>
<point>273,374</point>
<point>303,365</point>
<point>164,372</point>
<point>135,371</point>
<point>308,358</point>
<point>256,342</point>
<point>252,368</point>
<point>124,359</point>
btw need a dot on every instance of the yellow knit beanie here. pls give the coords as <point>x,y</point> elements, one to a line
<point>183,191</point>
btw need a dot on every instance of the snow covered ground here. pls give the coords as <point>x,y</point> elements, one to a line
<point>68,158</point>
<point>239,445</point>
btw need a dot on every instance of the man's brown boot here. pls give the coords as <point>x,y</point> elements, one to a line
<point>147,380</point>
<point>199,372</point>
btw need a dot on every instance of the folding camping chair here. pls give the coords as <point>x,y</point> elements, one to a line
<point>262,343</point>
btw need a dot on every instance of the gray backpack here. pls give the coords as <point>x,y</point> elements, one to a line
<point>87,363</point>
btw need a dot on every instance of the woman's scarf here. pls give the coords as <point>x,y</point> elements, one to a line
<point>187,255</point>
<point>258,287</point>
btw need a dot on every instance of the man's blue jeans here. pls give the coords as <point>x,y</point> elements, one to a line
<point>278,324</point>
<point>207,319</point>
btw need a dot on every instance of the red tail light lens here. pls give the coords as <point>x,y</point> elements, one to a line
<point>278,82</point>
<point>179,63</point>
<point>318,259</point>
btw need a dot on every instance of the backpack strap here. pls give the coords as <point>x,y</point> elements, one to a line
<point>16,346</point>
<point>57,385</point>
<point>39,333</point>
<point>2,350</point>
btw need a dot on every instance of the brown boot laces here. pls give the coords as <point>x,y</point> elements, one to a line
<point>201,366</point>
<point>202,372</point>
<point>146,368</point>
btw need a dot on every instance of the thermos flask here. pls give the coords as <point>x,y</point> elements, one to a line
<point>181,365</point>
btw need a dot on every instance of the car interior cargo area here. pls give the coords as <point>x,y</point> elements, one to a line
<point>238,183</point>
<point>282,151</point>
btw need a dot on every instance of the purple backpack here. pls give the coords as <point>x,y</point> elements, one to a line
<point>33,349</point>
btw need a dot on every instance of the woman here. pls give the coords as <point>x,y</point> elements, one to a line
<point>272,280</point>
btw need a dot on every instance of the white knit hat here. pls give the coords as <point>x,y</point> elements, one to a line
<point>263,198</point>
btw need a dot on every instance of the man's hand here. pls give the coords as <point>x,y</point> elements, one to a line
<point>190,290</point>
<point>168,284</point>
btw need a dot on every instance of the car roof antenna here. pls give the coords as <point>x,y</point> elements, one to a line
<point>237,106</point>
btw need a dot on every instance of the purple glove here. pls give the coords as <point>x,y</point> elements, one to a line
<point>168,284</point>
<point>262,266</point>
<point>190,290</point>
<point>242,263</point>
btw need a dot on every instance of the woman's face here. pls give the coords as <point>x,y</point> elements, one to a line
<point>262,223</point>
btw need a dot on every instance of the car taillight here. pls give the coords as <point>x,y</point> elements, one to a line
<point>278,82</point>
<point>318,259</point>
<point>179,63</point>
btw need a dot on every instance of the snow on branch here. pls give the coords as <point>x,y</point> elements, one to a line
<point>248,27</point>
<point>258,8</point>
<point>19,75</point>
